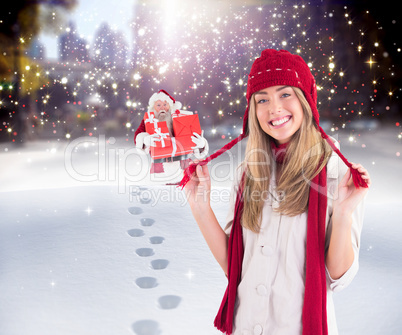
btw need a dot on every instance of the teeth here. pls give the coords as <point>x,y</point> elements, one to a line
<point>281,121</point>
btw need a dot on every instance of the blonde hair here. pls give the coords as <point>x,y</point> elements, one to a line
<point>307,153</point>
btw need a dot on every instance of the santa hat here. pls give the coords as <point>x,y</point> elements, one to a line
<point>274,68</point>
<point>164,96</point>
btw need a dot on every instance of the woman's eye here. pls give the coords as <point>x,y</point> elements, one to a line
<point>262,101</point>
<point>285,95</point>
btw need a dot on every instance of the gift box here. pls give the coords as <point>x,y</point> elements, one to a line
<point>180,145</point>
<point>163,143</point>
<point>163,152</point>
<point>153,126</point>
<point>164,139</point>
<point>184,126</point>
<point>150,122</point>
<point>173,150</point>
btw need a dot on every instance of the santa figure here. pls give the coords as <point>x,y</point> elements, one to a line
<point>162,104</point>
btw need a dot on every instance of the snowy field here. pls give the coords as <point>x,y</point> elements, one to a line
<point>89,245</point>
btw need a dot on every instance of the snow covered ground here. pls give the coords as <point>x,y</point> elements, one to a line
<point>90,245</point>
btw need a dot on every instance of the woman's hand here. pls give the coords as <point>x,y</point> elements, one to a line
<point>198,188</point>
<point>340,254</point>
<point>198,191</point>
<point>348,195</point>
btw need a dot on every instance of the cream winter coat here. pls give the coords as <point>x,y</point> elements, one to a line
<point>271,292</point>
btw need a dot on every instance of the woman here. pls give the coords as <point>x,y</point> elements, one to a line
<point>294,233</point>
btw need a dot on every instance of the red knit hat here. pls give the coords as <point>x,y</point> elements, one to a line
<point>274,68</point>
<point>281,68</point>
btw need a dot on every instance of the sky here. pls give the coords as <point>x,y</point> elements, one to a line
<point>88,15</point>
<point>365,63</point>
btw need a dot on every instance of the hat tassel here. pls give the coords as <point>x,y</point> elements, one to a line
<point>358,181</point>
<point>190,170</point>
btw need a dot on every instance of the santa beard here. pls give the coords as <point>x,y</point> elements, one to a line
<point>167,117</point>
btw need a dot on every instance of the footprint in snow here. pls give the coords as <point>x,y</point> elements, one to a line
<point>145,198</point>
<point>146,282</point>
<point>142,194</point>
<point>145,252</point>
<point>147,222</point>
<point>169,301</point>
<point>135,232</point>
<point>146,327</point>
<point>136,190</point>
<point>135,210</point>
<point>159,264</point>
<point>156,239</point>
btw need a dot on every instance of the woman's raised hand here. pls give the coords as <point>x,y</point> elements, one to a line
<point>348,195</point>
<point>198,189</point>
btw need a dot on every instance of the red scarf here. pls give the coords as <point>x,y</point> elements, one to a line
<point>315,296</point>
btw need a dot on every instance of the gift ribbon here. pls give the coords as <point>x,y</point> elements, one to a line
<point>174,146</point>
<point>174,150</point>
<point>151,119</point>
<point>162,136</point>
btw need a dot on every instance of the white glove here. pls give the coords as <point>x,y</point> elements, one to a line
<point>200,143</point>
<point>149,141</point>
<point>145,139</point>
<point>198,140</point>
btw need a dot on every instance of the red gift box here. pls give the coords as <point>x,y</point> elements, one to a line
<point>153,126</point>
<point>184,126</point>
<point>163,143</point>
<point>176,149</point>
<point>179,145</point>
<point>162,152</point>
<point>150,122</point>
<point>164,139</point>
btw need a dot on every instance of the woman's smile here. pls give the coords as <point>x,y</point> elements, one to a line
<point>280,121</point>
